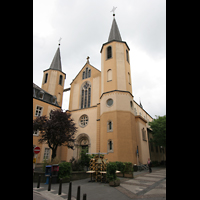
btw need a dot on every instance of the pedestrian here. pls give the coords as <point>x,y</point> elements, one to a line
<point>149,165</point>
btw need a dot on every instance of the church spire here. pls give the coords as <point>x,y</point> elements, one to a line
<point>114,32</point>
<point>56,62</point>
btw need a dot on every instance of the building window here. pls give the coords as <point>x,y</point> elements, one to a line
<point>109,126</point>
<point>109,102</point>
<point>38,111</point>
<point>86,95</point>
<point>144,135</point>
<point>127,57</point>
<point>110,146</point>
<point>109,52</point>
<point>129,79</point>
<point>46,76</point>
<point>86,73</point>
<point>36,133</point>
<point>60,80</point>
<point>83,121</point>
<point>131,104</point>
<point>46,153</point>
<point>109,75</point>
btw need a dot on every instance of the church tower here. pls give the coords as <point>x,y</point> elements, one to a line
<point>53,78</point>
<point>117,134</point>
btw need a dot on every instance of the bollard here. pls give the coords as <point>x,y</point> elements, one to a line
<point>78,193</point>
<point>84,196</point>
<point>70,191</point>
<point>38,185</point>
<point>60,187</point>
<point>49,187</point>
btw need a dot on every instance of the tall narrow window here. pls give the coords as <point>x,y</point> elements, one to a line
<point>60,79</point>
<point>86,95</point>
<point>109,52</point>
<point>109,126</point>
<point>89,73</point>
<point>86,73</point>
<point>89,94</point>
<point>110,146</point>
<point>82,98</point>
<point>127,57</point>
<point>46,76</point>
<point>129,80</point>
<point>83,75</point>
<point>109,75</point>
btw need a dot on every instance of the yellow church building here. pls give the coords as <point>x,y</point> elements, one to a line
<point>101,104</point>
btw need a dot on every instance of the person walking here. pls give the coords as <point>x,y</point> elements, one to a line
<point>149,165</point>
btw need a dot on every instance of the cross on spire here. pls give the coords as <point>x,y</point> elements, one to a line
<point>59,41</point>
<point>88,59</point>
<point>113,10</point>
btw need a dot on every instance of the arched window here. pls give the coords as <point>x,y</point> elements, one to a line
<point>109,52</point>
<point>89,73</point>
<point>83,75</point>
<point>46,76</point>
<point>129,79</point>
<point>109,75</point>
<point>86,73</point>
<point>109,126</point>
<point>127,57</point>
<point>85,95</point>
<point>110,146</point>
<point>60,79</point>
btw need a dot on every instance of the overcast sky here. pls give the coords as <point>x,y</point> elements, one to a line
<point>84,25</point>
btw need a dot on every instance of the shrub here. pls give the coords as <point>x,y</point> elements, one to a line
<point>111,169</point>
<point>65,170</point>
<point>128,167</point>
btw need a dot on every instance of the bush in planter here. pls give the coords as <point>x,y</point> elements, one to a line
<point>111,174</point>
<point>65,170</point>
<point>120,167</point>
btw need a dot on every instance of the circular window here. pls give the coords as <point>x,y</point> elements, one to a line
<point>109,102</point>
<point>83,121</point>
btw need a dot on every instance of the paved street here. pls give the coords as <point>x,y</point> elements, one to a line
<point>145,185</point>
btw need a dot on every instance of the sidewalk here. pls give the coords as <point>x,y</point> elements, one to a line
<point>145,185</point>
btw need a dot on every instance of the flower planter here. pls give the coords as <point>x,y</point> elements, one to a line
<point>114,183</point>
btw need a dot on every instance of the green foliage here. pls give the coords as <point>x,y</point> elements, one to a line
<point>120,166</point>
<point>111,171</point>
<point>65,170</point>
<point>85,158</point>
<point>158,127</point>
<point>128,167</point>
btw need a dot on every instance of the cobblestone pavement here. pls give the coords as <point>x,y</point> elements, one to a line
<point>144,185</point>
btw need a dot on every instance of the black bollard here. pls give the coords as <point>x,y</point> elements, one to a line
<point>60,187</point>
<point>70,191</point>
<point>49,187</point>
<point>84,196</point>
<point>78,193</point>
<point>38,185</point>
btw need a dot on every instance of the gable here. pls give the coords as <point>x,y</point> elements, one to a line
<point>94,72</point>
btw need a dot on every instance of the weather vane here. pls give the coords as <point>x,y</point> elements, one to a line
<point>113,10</point>
<point>59,41</point>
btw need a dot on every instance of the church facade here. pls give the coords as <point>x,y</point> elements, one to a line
<point>102,105</point>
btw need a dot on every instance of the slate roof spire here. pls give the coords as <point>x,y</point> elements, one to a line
<point>114,32</point>
<point>56,62</point>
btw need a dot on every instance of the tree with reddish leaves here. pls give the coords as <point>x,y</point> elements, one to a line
<point>59,130</point>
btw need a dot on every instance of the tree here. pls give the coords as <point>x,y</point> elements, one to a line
<point>158,127</point>
<point>56,131</point>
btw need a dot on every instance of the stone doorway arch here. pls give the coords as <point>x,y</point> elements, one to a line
<point>82,142</point>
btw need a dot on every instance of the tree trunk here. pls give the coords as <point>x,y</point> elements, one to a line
<point>53,153</point>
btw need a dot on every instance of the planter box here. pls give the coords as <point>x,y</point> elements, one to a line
<point>114,183</point>
<point>126,175</point>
